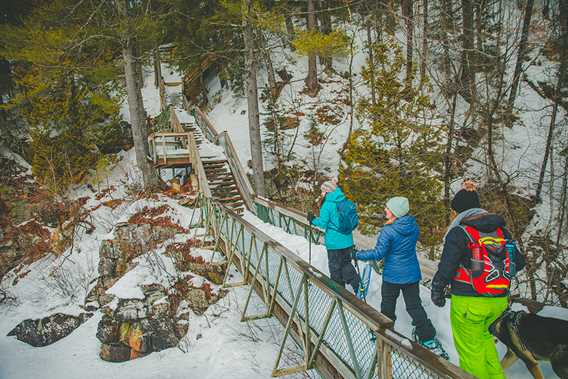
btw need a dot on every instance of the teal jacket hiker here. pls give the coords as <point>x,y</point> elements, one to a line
<point>328,220</point>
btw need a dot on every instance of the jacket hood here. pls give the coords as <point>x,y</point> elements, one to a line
<point>486,222</point>
<point>405,225</point>
<point>335,196</point>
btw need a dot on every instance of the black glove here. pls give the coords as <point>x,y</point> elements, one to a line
<point>438,294</point>
<point>354,255</point>
<point>310,217</point>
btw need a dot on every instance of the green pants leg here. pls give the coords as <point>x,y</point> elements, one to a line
<point>470,318</point>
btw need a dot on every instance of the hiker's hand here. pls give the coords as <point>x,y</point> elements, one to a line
<point>437,295</point>
<point>310,217</point>
<point>354,255</point>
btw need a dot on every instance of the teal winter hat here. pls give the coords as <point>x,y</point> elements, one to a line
<point>398,206</point>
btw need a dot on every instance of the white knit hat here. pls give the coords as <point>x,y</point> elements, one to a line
<point>328,186</point>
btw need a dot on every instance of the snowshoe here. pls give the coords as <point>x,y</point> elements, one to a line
<point>434,345</point>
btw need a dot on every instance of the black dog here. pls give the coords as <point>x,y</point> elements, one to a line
<point>533,338</point>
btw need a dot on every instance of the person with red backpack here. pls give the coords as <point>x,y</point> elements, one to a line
<point>479,260</point>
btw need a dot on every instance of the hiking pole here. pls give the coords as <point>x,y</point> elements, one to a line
<point>310,245</point>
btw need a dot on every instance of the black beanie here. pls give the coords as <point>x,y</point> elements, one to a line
<point>465,200</point>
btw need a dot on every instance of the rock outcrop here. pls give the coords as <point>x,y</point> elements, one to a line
<point>47,330</point>
<point>131,328</point>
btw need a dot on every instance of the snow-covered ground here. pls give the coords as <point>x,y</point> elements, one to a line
<point>220,347</point>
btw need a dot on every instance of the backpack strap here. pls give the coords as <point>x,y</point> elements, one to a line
<point>471,233</point>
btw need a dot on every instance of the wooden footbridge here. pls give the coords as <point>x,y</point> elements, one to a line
<point>340,336</point>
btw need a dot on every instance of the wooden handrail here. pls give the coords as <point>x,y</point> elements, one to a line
<point>245,188</point>
<point>197,165</point>
<point>208,129</point>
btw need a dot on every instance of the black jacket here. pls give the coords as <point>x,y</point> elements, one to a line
<point>456,253</point>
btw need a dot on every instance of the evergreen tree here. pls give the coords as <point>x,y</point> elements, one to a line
<point>398,151</point>
<point>63,86</point>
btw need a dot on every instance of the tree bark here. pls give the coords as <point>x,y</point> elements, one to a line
<point>391,17</point>
<point>468,64</point>
<point>252,100</point>
<point>312,85</point>
<point>408,14</point>
<point>371,63</point>
<point>448,156</point>
<point>424,58</point>
<point>325,26</point>
<point>139,133</point>
<point>562,77</point>
<point>547,149</point>
<point>521,54</point>
<point>157,67</point>
<point>289,25</point>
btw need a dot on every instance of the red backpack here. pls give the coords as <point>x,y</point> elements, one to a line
<point>490,271</point>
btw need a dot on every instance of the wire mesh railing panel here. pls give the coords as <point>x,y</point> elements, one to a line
<point>319,306</point>
<point>363,342</point>
<point>404,367</point>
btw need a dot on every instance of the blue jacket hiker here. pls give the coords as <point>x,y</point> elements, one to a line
<point>396,245</point>
<point>339,246</point>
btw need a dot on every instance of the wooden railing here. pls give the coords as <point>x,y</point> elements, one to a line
<point>243,183</point>
<point>198,168</point>
<point>163,140</point>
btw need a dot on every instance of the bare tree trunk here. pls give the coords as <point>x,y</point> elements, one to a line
<point>392,9</point>
<point>521,54</point>
<point>289,24</point>
<point>424,58</point>
<point>408,14</point>
<point>371,63</point>
<point>139,134</point>
<point>448,154</point>
<point>325,28</point>
<point>468,73</point>
<point>269,68</point>
<point>252,100</point>
<point>478,30</point>
<point>157,67</point>
<point>312,85</point>
<point>547,149</point>
<point>562,76</point>
<point>446,26</point>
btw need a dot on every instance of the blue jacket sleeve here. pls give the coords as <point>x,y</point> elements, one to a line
<point>381,248</point>
<point>324,217</point>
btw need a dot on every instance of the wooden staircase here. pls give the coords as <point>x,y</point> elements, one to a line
<point>223,185</point>
<point>221,180</point>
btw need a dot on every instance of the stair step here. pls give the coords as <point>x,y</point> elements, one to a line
<point>214,161</point>
<point>230,200</point>
<point>234,204</point>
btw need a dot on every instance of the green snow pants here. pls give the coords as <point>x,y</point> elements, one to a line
<point>470,317</point>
